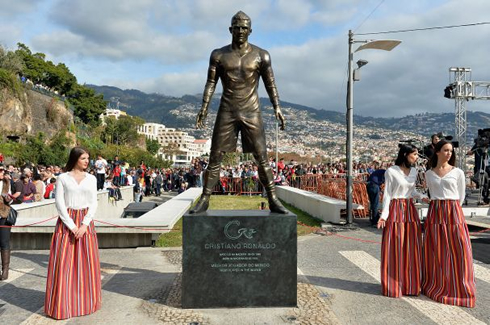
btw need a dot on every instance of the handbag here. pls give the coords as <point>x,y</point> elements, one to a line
<point>12,217</point>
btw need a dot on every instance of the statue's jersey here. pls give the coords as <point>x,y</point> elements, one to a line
<point>240,77</point>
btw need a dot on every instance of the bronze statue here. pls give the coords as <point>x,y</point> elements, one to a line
<point>239,66</point>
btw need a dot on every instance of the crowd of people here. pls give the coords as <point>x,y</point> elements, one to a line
<point>34,183</point>
<point>411,264</point>
<point>31,183</point>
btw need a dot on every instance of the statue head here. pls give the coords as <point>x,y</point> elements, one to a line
<point>241,27</point>
<point>241,17</point>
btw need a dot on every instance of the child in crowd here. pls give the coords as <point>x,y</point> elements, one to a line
<point>50,189</point>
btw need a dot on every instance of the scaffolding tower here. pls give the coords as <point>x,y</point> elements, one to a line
<point>462,89</point>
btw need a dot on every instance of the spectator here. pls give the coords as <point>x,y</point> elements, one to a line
<point>374,182</point>
<point>112,188</point>
<point>116,172</point>
<point>18,189</point>
<point>40,187</point>
<point>5,201</point>
<point>158,181</point>
<point>29,189</point>
<point>100,166</point>
<point>50,189</point>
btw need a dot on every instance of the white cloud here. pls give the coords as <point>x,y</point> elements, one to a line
<point>174,84</point>
<point>12,8</point>
<point>306,38</point>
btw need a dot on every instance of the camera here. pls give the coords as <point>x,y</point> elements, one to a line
<point>448,138</point>
<point>483,139</point>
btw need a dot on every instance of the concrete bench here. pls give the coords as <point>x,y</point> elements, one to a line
<point>152,224</point>
<point>319,206</point>
<point>106,208</point>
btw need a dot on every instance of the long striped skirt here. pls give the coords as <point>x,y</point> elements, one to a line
<point>73,286</point>
<point>448,275</point>
<point>401,250</point>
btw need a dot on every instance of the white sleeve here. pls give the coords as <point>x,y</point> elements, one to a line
<point>461,187</point>
<point>92,201</point>
<point>60,204</point>
<point>387,195</point>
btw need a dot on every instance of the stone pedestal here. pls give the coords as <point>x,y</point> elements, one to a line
<point>239,258</point>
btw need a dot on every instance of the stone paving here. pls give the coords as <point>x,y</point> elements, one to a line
<point>337,284</point>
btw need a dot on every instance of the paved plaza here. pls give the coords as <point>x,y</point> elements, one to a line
<point>338,283</point>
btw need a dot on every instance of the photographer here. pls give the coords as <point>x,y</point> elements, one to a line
<point>481,170</point>
<point>429,150</point>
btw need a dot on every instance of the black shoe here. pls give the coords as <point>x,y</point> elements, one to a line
<point>276,206</point>
<point>202,205</point>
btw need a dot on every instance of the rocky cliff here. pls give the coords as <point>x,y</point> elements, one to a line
<point>31,112</point>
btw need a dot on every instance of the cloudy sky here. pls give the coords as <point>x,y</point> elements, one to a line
<point>163,46</point>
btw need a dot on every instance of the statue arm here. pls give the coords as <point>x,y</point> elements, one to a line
<point>270,86</point>
<point>209,89</point>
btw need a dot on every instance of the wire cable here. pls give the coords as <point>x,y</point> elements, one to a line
<point>426,28</point>
<point>367,17</point>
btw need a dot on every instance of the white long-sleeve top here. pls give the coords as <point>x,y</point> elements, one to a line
<point>398,186</point>
<point>449,187</point>
<point>70,194</point>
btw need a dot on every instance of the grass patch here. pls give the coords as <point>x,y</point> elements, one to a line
<point>232,202</point>
<point>172,238</point>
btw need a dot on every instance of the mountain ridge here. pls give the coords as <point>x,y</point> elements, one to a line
<point>157,108</point>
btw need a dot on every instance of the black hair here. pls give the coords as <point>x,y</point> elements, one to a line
<point>75,154</point>
<point>405,150</point>
<point>437,148</point>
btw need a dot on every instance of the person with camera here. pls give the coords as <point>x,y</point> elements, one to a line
<point>429,150</point>
<point>4,230</point>
<point>401,246</point>
<point>481,168</point>
<point>448,275</point>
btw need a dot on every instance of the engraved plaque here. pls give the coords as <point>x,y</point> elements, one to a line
<point>239,258</point>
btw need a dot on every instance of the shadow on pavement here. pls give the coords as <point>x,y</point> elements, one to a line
<point>27,299</point>
<point>132,282</point>
<point>353,286</point>
<point>39,259</point>
<point>138,283</point>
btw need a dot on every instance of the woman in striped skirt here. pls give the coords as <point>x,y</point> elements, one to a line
<point>401,246</point>
<point>73,283</point>
<point>448,275</point>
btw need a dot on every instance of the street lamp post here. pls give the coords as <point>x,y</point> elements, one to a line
<point>386,45</point>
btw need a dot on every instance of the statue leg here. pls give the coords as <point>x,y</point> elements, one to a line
<point>267,180</point>
<point>211,178</point>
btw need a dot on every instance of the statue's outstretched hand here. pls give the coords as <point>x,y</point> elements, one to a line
<point>280,118</point>
<point>201,118</point>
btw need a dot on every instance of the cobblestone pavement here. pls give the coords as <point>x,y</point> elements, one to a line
<point>338,283</point>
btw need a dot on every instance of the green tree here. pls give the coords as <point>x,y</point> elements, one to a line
<point>34,65</point>
<point>123,130</point>
<point>86,104</point>
<point>10,61</point>
<point>231,158</point>
<point>152,146</point>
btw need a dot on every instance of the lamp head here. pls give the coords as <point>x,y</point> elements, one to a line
<point>361,63</point>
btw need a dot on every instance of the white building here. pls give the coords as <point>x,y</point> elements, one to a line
<point>175,145</point>
<point>112,112</point>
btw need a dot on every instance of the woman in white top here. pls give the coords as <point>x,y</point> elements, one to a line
<point>401,247</point>
<point>73,285</point>
<point>448,275</point>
